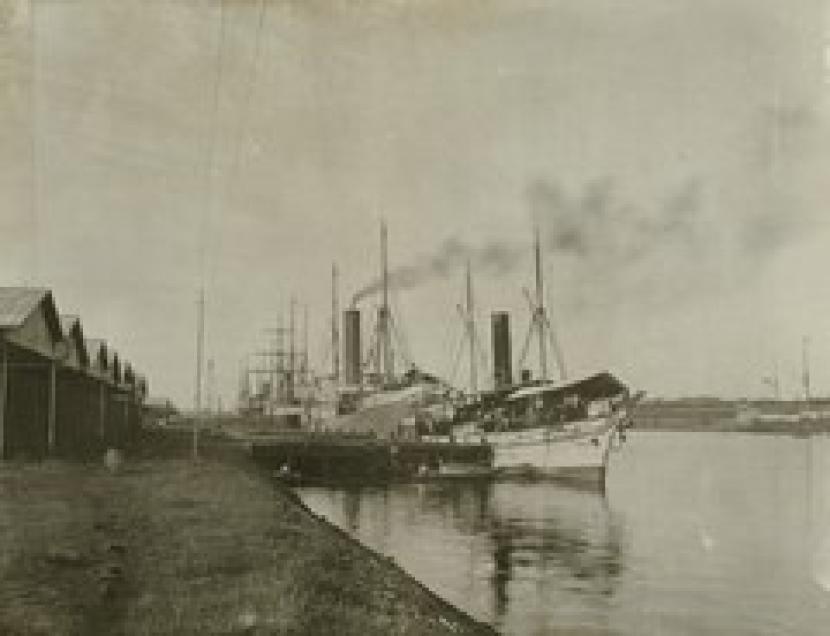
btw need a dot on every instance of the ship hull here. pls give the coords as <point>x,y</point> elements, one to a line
<point>577,454</point>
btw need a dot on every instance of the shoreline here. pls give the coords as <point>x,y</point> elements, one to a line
<point>728,427</point>
<point>165,545</point>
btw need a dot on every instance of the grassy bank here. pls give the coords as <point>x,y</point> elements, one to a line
<point>169,546</point>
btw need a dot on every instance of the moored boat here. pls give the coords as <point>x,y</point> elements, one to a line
<point>560,431</point>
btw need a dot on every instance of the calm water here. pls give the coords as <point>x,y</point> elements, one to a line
<point>697,534</point>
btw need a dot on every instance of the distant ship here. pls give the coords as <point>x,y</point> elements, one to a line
<point>799,417</point>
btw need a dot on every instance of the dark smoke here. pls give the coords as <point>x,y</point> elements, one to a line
<point>493,258</point>
<point>594,227</point>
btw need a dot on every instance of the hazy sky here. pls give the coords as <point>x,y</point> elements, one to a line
<point>674,152</point>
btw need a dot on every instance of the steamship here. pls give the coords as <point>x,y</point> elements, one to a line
<point>563,430</point>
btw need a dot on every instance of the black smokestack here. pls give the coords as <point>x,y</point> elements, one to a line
<point>502,366</point>
<point>351,347</point>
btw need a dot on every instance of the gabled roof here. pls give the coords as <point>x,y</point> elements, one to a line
<point>68,322</point>
<point>97,349</point>
<point>18,303</point>
<point>128,374</point>
<point>114,364</point>
<point>71,327</point>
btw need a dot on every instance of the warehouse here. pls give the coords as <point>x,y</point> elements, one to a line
<point>30,342</point>
<point>115,436</point>
<point>76,435</point>
<point>60,393</point>
<point>99,372</point>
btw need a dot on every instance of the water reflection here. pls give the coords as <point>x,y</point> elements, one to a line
<point>566,543</point>
<point>516,544</point>
<point>699,534</point>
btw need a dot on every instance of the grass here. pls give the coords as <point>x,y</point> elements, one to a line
<point>171,546</point>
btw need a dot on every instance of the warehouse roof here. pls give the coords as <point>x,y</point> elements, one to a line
<point>18,303</point>
<point>68,322</point>
<point>97,349</point>
<point>72,330</point>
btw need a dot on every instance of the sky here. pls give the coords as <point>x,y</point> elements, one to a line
<point>673,154</point>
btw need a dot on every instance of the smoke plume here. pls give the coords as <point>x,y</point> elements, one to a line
<point>494,258</point>
<point>599,227</point>
<point>609,240</point>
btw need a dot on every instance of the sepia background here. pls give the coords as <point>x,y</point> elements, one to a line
<point>673,153</point>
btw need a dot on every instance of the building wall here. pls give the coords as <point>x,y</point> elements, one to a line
<point>76,416</point>
<point>27,405</point>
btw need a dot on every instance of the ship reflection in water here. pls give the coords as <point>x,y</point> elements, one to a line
<point>501,551</point>
<point>699,533</point>
<point>550,543</point>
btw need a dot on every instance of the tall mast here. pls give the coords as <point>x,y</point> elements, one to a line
<point>278,379</point>
<point>291,351</point>
<point>805,366</point>
<point>210,389</point>
<point>540,308</point>
<point>335,329</point>
<point>776,383</point>
<point>200,345</point>
<point>471,332</point>
<point>384,340</point>
<point>305,345</point>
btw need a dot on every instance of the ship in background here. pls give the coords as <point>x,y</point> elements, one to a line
<point>800,417</point>
<point>277,387</point>
<point>368,392</point>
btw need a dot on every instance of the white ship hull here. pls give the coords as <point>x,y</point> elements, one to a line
<point>577,453</point>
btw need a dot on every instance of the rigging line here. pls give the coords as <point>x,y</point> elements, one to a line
<point>245,108</point>
<point>553,335</point>
<point>405,354</point>
<point>484,360</point>
<point>34,158</point>
<point>399,327</point>
<point>212,162</point>
<point>456,359</point>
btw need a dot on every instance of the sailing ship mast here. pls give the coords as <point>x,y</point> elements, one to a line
<point>540,322</point>
<point>200,347</point>
<point>384,316</point>
<point>335,328</point>
<point>539,317</point>
<point>471,332</point>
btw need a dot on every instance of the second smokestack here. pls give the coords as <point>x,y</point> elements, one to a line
<point>502,355</point>
<point>352,355</point>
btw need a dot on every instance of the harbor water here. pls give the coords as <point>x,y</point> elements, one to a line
<point>698,533</point>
